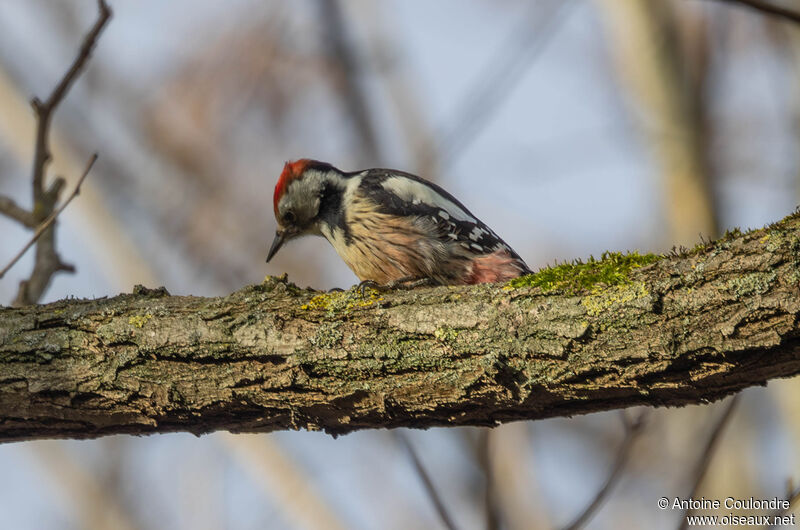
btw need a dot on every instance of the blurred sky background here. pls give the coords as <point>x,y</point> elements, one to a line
<point>569,126</point>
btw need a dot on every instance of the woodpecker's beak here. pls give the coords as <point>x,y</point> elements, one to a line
<point>277,243</point>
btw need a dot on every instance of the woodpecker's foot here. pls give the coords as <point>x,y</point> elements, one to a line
<point>409,282</point>
<point>362,287</point>
<point>336,290</point>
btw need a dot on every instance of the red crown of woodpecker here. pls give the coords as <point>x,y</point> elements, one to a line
<point>291,171</point>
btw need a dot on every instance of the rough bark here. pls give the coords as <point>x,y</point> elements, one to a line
<point>690,328</point>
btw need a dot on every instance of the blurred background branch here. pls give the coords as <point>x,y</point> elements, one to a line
<point>45,224</point>
<point>632,429</point>
<point>709,448</point>
<point>44,210</point>
<point>427,482</point>
<point>768,8</point>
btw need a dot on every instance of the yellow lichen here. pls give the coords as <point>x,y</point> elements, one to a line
<point>600,300</point>
<point>320,301</point>
<point>342,300</point>
<point>139,320</point>
<point>445,334</point>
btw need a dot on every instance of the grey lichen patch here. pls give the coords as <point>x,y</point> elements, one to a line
<point>405,355</point>
<point>116,331</point>
<point>427,319</point>
<point>602,300</point>
<point>775,240</point>
<point>539,346</point>
<point>329,335</point>
<point>392,346</point>
<point>794,275</point>
<point>752,283</point>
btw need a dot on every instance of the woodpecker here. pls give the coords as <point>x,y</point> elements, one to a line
<point>390,226</point>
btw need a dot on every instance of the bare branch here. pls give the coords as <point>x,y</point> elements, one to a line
<point>768,8</point>
<point>633,428</point>
<point>50,219</point>
<point>47,261</point>
<point>692,327</point>
<point>44,110</point>
<point>708,453</point>
<point>657,76</point>
<point>10,208</point>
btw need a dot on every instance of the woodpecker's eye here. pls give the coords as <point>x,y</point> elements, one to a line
<point>289,217</point>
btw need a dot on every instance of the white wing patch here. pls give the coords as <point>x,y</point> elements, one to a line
<point>477,232</point>
<point>416,192</point>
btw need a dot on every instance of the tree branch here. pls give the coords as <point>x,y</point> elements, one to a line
<point>51,218</point>
<point>633,428</point>
<point>709,449</point>
<point>768,8</point>
<point>425,477</point>
<point>44,111</point>
<point>47,261</point>
<point>689,328</point>
<point>11,209</point>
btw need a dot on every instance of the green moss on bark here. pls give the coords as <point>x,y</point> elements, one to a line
<point>613,268</point>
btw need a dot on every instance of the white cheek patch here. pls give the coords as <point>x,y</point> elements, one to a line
<point>416,192</point>
<point>302,195</point>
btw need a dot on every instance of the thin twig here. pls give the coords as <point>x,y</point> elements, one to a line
<point>44,110</point>
<point>768,9</point>
<point>633,428</point>
<point>47,262</point>
<point>427,482</point>
<point>51,218</point>
<point>709,450</point>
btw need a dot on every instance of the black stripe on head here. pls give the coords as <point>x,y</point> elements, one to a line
<point>322,167</point>
<point>331,211</point>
